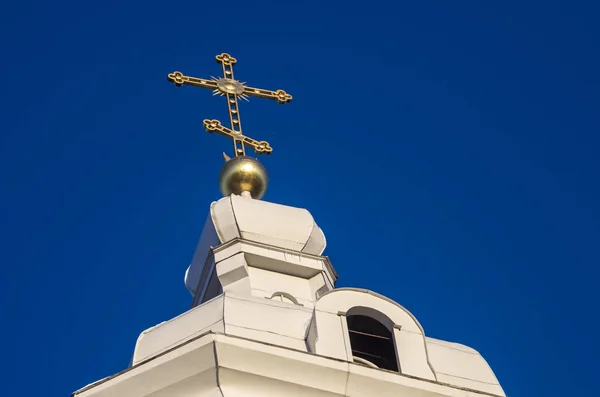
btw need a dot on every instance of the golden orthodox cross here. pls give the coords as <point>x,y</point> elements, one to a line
<point>232,89</point>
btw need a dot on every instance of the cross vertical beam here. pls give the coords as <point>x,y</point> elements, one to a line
<point>227,63</point>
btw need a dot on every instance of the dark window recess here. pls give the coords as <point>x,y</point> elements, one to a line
<point>372,341</point>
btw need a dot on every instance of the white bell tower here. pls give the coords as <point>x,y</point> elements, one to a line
<point>266,319</point>
<point>261,249</point>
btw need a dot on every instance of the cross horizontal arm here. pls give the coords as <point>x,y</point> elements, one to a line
<point>279,95</point>
<point>260,147</point>
<point>180,79</point>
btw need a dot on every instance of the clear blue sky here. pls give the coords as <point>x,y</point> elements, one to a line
<point>447,149</point>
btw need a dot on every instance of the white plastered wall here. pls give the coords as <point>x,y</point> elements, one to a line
<point>255,269</point>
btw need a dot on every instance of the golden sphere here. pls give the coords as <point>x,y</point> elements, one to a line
<point>243,174</point>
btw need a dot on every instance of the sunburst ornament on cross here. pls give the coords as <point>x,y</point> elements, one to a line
<point>233,89</point>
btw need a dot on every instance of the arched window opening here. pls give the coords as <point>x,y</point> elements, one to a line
<point>372,341</point>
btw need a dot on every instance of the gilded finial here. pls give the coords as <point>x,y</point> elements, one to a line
<point>240,173</point>
<point>243,174</point>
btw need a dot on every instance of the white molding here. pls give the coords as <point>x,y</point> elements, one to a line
<point>216,363</point>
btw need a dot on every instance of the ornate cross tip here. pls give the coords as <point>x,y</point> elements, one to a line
<point>263,147</point>
<point>233,90</point>
<point>225,58</point>
<point>212,125</point>
<point>283,97</point>
<point>176,78</point>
